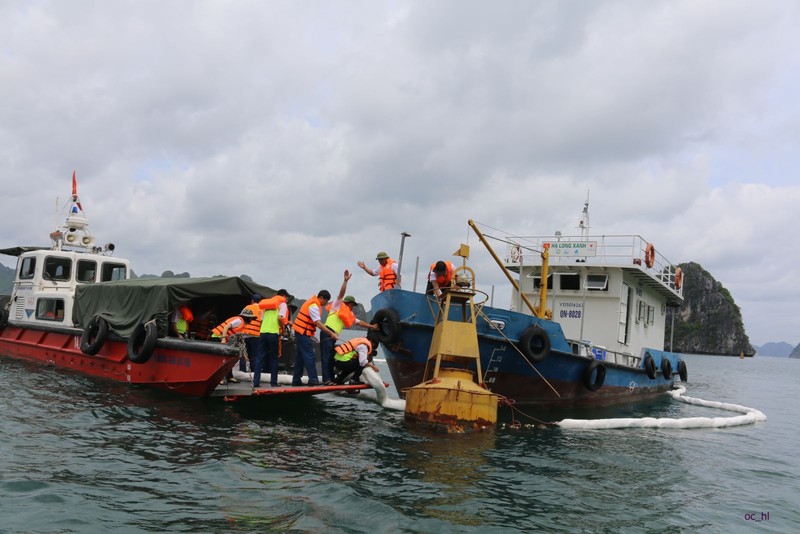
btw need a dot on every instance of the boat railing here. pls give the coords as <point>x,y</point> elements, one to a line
<point>597,352</point>
<point>617,250</point>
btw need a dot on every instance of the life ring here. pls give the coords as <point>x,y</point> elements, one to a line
<point>589,372</point>
<point>666,368</point>
<point>678,278</point>
<point>650,366</point>
<point>142,342</point>
<point>94,335</point>
<point>534,343</point>
<point>649,255</point>
<point>682,371</point>
<point>388,326</point>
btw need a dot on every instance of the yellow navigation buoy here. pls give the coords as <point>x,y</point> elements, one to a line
<point>449,399</point>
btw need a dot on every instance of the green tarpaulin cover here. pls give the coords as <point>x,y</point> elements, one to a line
<point>127,303</point>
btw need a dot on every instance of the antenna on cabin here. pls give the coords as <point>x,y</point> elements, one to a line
<point>584,222</point>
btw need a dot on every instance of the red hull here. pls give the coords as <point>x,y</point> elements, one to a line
<point>188,372</point>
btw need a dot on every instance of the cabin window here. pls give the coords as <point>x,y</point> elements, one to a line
<point>641,311</point>
<point>57,268</point>
<point>113,271</point>
<point>569,282</point>
<point>50,309</point>
<point>597,282</point>
<point>651,315</point>
<point>87,271</point>
<point>27,268</point>
<point>537,282</point>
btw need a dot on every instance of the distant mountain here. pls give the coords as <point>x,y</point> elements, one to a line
<point>708,321</point>
<point>6,279</point>
<point>779,350</point>
<point>796,352</point>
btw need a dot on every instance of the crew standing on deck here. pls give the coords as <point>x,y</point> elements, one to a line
<point>308,319</point>
<point>439,276</point>
<point>340,316</point>
<point>274,320</point>
<point>387,271</point>
<point>251,333</point>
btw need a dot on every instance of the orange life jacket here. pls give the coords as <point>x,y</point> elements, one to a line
<point>186,313</point>
<point>443,279</point>
<point>217,331</point>
<point>341,318</point>
<point>303,323</point>
<point>349,347</point>
<point>387,276</point>
<point>253,328</point>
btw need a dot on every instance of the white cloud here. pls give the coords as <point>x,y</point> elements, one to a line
<point>291,139</point>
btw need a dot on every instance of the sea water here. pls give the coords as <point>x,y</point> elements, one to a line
<point>79,454</point>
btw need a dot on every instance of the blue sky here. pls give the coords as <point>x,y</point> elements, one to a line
<point>291,139</point>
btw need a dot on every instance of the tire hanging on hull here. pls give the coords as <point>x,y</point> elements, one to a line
<point>592,381</point>
<point>650,366</point>
<point>142,342</point>
<point>94,335</point>
<point>534,344</point>
<point>388,322</point>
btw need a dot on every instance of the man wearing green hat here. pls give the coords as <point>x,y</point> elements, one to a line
<point>387,271</point>
<point>340,316</point>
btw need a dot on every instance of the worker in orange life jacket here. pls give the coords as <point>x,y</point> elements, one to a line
<point>230,327</point>
<point>387,271</point>
<point>251,332</point>
<point>439,276</point>
<point>308,319</point>
<point>340,316</point>
<point>274,319</point>
<point>352,357</point>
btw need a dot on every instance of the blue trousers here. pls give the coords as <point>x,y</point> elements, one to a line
<point>268,356</point>
<point>304,359</point>
<point>326,351</point>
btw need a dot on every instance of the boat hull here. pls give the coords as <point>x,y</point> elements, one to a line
<point>192,368</point>
<point>560,379</point>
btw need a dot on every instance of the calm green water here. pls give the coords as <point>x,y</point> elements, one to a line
<point>82,455</point>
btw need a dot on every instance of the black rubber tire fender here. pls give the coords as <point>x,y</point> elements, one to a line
<point>388,322</point>
<point>94,335</point>
<point>682,371</point>
<point>666,368</point>
<point>650,366</point>
<point>534,343</point>
<point>142,342</point>
<point>589,372</point>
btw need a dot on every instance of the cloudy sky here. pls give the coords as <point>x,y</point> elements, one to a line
<point>290,139</point>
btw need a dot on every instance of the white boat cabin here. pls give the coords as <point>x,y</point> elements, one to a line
<point>46,279</point>
<point>609,293</point>
<point>45,283</point>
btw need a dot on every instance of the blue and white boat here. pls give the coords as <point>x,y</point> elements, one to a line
<point>596,335</point>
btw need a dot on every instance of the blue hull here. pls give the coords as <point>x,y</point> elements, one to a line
<point>560,379</point>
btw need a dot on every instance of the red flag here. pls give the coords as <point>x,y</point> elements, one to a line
<point>75,191</point>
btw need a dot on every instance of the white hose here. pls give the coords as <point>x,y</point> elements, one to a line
<point>382,397</point>
<point>751,416</point>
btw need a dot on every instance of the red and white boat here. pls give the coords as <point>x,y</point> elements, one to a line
<point>75,306</point>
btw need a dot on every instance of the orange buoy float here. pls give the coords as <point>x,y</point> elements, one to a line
<point>678,278</point>
<point>649,255</point>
